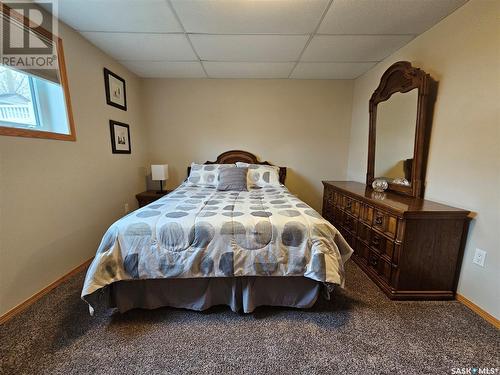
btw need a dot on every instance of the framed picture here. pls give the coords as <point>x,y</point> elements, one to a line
<point>115,90</point>
<point>120,137</point>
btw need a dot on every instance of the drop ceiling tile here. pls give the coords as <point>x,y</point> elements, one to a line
<point>250,17</point>
<point>166,69</point>
<point>118,15</point>
<point>385,16</point>
<point>248,47</point>
<point>349,48</point>
<point>217,69</point>
<point>133,46</point>
<point>326,70</point>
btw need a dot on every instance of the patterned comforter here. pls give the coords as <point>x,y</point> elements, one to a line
<point>201,232</point>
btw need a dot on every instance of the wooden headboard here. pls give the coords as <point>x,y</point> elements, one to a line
<point>233,156</point>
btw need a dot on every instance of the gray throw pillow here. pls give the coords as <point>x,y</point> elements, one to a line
<point>233,179</point>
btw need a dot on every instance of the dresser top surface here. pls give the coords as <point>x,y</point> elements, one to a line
<point>395,201</point>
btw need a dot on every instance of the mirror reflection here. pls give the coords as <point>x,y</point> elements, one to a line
<point>395,136</point>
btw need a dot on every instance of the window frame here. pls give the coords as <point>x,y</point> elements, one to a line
<point>8,13</point>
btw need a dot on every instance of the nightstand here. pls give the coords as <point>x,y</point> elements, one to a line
<point>146,197</point>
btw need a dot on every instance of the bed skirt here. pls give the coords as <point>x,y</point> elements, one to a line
<point>239,293</point>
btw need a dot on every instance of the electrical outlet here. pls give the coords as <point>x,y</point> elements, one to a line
<point>125,208</point>
<point>479,257</point>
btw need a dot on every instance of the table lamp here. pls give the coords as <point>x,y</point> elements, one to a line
<point>159,172</point>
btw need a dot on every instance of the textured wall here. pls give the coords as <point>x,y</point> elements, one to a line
<point>303,125</point>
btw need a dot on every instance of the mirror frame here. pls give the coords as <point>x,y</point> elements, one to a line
<point>403,77</point>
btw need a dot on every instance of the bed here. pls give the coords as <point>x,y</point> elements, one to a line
<point>198,247</point>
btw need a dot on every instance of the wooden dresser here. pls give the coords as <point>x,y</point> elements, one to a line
<point>410,247</point>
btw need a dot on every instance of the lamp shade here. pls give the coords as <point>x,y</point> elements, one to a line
<point>159,172</point>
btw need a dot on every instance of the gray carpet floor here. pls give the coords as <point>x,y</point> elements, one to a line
<point>359,331</point>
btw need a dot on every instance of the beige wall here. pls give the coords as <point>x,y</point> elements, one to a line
<point>462,53</point>
<point>303,125</point>
<point>57,198</point>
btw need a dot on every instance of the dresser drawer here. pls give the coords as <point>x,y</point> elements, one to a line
<point>386,223</point>
<point>366,214</point>
<point>328,210</point>
<point>363,251</point>
<point>339,200</point>
<point>351,206</point>
<point>381,244</point>
<point>373,259</point>
<point>338,216</point>
<point>381,267</point>
<point>328,214</point>
<point>364,232</point>
<point>329,196</point>
<point>349,223</point>
<point>349,237</point>
<point>385,270</point>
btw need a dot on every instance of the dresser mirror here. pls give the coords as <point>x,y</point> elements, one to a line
<point>400,121</point>
<point>396,122</point>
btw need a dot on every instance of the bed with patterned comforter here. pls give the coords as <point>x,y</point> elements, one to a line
<point>199,232</point>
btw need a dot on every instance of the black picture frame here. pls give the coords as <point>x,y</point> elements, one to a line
<point>112,128</point>
<point>109,101</point>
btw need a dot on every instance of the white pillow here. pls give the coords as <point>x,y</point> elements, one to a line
<point>205,175</point>
<point>261,175</point>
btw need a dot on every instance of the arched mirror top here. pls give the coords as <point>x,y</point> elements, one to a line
<point>401,111</point>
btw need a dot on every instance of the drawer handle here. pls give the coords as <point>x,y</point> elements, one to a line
<point>349,204</point>
<point>376,241</point>
<point>373,261</point>
<point>378,220</point>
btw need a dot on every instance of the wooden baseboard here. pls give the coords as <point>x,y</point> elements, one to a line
<point>479,311</point>
<point>35,297</point>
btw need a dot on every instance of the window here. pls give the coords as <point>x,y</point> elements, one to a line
<point>34,102</point>
<point>17,104</point>
<point>30,102</point>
